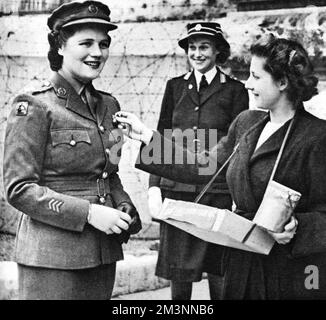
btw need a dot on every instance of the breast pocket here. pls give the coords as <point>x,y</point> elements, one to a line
<point>71,148</point>
<point>70,137</point>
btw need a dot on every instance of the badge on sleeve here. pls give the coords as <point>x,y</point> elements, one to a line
<point>22,108</point>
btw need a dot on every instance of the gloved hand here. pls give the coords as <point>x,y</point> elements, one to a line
<point>108,220</point>
<point>154,201</point>
<point>132,127</point>
<point>135,224</point>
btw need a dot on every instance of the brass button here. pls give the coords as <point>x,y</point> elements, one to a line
<point>197,108</point>
<point>72,142</point>
<point>104,175</point>
<point>102,199</point>
<point>107,151</point>
<point>101,129</point>
<point>195,127</point>
<point>62,91</point>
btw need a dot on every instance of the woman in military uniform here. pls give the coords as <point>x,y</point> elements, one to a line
<point>203,100</point>
<point>61,167</point>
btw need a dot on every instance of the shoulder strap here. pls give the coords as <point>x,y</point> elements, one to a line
<point>281,151</point>
<point>233,153</point>
<point>216,174</point>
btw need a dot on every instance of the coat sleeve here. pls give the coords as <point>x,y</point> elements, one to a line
<point>24,151</point>
<point>310,236</point>
<point>118,194</point>
<point>184,165</point>
<point>165,122</point>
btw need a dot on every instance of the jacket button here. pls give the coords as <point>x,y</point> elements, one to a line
<point>101,129</point>
<point>72,142</point>
<point>197,108</point>
<point>104,175</point>
<point>102,200</point>
<point>195,127</point>
<point>107,151</point>
<point>62,91</point>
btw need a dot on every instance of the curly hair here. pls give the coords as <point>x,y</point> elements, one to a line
<point>286,58</point>
<point>59,38</point>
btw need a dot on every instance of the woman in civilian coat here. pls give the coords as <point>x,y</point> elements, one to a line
<point>189,103</point>
<point>280,79</point>
<point>61,167</point>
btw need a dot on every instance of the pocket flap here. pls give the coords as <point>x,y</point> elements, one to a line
<point>69,136</point>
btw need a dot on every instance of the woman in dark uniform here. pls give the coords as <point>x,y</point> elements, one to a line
<point>203,100</point>
<point>281,78</point>
<point>61,167</point>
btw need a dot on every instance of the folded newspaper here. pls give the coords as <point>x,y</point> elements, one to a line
<point>217,226</point>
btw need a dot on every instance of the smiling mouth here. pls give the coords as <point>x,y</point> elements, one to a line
<point>93,64</point>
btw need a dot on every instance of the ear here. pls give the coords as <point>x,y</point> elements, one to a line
<point>283,83</point>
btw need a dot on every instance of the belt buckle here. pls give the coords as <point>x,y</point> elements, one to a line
<point>101,194</point>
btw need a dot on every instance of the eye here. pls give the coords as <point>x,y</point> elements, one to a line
<point>86,44</point>
<point>104,44</point>
<point>192,48</point>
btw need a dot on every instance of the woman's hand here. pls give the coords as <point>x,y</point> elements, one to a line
<point>288,233</point>
<point>132,127</point>
<point>154,201</point>
<point>108,220</point>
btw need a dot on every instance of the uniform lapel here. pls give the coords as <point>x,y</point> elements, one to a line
<point>101,108</point>
<point>191,87</point>
<point>73,101</point>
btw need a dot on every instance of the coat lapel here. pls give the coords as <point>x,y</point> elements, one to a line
<point>191,88</point>
<point>73,101</point>
<point>101,108</point>
<point>247,144</point>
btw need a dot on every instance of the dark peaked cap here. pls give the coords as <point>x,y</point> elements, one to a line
<point>79,13</point>
<point>212,29</point>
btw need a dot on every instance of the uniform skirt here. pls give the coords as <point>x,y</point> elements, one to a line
<point>37,283</point>
<point>182,256</point>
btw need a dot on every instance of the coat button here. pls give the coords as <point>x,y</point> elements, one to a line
<point>72,142</point>
<point>104,175</point>
<point>62,91</point>
<point>197,108</point>
<point>195,127</point>
<point>101,129</point>
<point>190,86</point>
<point>107,151</point>
<point>102,200</point>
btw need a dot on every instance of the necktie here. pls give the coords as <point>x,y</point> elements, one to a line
<point>89,99</point>
<point>203,84</point>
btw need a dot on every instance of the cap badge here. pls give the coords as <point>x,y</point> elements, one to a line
<point>198,27</point>
<point>93,9</point>
<point>22,108</point>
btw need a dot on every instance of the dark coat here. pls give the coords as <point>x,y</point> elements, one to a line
<point>182,108</point>
<point>54,153</point>
<point>283,273</point>
<point>183,257</point>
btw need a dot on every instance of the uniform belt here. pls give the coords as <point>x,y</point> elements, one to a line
<point>99,187</point>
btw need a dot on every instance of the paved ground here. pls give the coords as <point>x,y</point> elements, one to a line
<point>199,292</point>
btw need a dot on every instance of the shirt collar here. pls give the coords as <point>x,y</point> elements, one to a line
<point>209,76</point>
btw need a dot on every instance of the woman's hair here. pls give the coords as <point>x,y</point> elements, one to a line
<point>57,39</point>
<point>221,45</point>
<point>288,59</point>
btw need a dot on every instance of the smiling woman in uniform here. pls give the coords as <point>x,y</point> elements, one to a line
<point>60,170</point>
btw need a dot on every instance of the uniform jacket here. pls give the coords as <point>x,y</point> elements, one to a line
<point>282,274</point>
<point>54,153</point>
<point>182,108</point>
